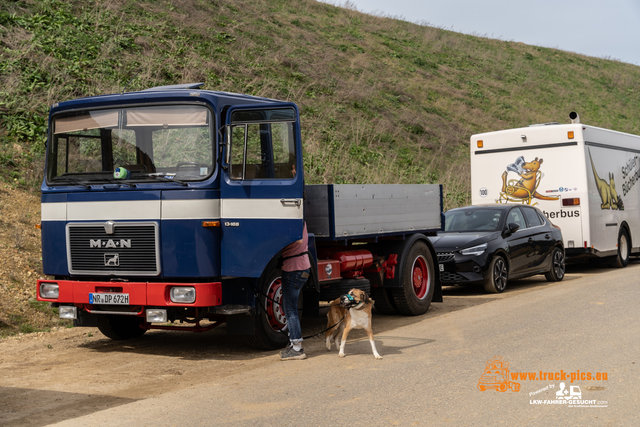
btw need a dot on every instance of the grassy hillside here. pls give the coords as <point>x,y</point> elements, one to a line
<point>382,100</point>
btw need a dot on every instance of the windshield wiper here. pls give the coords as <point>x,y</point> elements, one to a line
<point>165,178</point>
<point>114,181</point>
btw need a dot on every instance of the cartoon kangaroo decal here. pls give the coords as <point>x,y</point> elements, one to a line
<point>608,193</point>
<point>523,190</point>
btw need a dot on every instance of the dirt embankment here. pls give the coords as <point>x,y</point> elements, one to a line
<point>21,265</point>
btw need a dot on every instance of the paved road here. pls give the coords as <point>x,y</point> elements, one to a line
<point>431,368</point>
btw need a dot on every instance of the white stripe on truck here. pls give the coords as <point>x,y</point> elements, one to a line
<point>171,209</point>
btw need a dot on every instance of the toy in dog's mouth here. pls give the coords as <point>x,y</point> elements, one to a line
<point>347,300</point>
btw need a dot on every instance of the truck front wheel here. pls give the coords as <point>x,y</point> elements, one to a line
<point>120,327</point>
<point>270,323</point>
<point>418,282</point>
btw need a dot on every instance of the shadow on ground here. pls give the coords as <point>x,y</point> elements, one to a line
<point>30,408</point>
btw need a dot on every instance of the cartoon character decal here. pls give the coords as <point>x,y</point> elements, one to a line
<point>608,193</point>
<point>524,189</point>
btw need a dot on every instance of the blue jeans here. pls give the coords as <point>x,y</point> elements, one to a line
<point>292,283</point>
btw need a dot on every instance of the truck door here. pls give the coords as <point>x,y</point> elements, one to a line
<point>261,187</point>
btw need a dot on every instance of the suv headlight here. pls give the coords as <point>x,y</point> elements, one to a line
<point>475,250</point>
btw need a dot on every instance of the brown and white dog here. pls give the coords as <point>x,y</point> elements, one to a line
<point>357,316</point>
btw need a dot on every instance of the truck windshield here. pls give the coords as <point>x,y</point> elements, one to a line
<point>462,220</point>
<point>135,144</point>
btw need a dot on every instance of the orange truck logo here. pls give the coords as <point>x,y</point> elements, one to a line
<point>496,376</point>
<point>522,190</point>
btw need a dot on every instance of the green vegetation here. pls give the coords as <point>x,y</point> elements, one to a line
<point>382,100</point>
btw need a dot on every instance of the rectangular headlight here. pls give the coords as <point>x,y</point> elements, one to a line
<point>156,315</point>
<point>475,250</point>
<point>183,294</point>
<point>49,290</point>
<point>68,312</point>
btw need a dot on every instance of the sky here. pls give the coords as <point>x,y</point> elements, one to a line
<point>607,29</point>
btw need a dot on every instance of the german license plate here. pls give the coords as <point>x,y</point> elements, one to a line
<point>112,298</point>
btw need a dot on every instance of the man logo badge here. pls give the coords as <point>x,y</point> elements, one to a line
<point>112,260</point>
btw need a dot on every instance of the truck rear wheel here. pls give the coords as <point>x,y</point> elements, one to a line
<point>418,281</point>
<point>120,327</point>
<point>270,323</point>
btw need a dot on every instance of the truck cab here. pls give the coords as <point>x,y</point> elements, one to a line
<point>173,204</point>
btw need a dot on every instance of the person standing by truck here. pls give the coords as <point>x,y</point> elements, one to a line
<point>295,272</point>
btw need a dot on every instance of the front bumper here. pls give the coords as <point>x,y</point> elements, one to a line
<point>459,269</point>
<point>141,294</point>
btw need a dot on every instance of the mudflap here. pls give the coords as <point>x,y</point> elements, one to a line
<point>437,292</point>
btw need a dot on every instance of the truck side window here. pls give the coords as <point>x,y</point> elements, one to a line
<point>264,146</point>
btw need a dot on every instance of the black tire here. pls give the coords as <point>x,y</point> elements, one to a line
<point>335,290</point>
<point>556,272</point>
<point>120,327</point>
<point>270,328</point>
<point>624,249</point>
<point>418,280</point>
<point>383,301</point>
<point>498,276</point>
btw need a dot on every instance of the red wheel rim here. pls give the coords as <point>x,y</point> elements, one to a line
<point>420,277</point>
<point>273,306</point>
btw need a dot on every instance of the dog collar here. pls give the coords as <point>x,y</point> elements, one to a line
<point>359,306</point>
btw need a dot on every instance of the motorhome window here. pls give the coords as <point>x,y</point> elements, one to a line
<point>260,148</point>
<point>161,141</point>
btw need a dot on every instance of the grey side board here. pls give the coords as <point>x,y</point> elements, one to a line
<point>349,210</point>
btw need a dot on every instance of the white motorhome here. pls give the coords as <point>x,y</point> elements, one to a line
<point>583,179</point>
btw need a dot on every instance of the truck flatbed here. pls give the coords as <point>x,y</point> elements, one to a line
<point>348,211</point>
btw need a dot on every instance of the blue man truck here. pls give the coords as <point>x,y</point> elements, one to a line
<point>169,208</point>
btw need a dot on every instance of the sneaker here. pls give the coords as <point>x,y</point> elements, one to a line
<point>286,349</point>
<point>291,354</point>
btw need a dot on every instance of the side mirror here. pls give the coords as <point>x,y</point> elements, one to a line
<point>513,227</point>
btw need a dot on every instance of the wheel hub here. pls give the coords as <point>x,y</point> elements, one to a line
<point>420,276</point>
<point>273,306</point>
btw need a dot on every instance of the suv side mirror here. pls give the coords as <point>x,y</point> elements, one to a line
<point>512,227</point>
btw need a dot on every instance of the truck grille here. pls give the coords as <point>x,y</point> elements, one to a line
<point>131,248</point>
